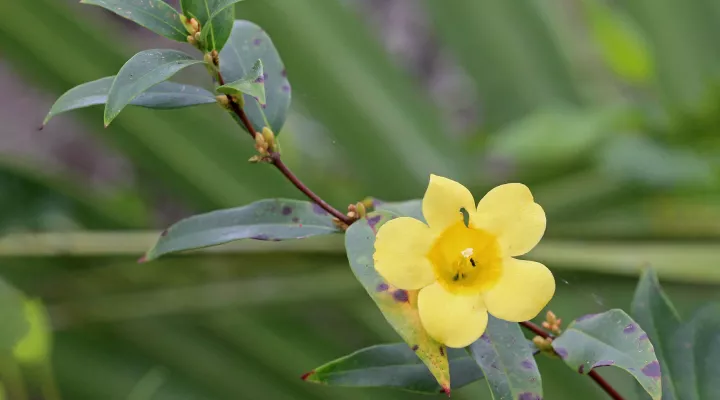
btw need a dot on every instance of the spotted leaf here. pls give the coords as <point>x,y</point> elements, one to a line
<point>507,362</point>
<point>611,339</point>
<point>398,306</point>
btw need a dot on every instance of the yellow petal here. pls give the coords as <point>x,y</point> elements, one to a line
<point>401,247</point>
<point>443,200</point>
<point>509,212</point>
<point>524,289</point>
<point>455,321</point>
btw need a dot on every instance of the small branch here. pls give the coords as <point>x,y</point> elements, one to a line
<point>280,165</point>
<point>605,385</point>
<point>535,329</point>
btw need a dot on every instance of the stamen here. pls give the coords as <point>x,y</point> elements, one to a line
<point>472,262</point>
<point>456,277</point>
<point>467,252</point>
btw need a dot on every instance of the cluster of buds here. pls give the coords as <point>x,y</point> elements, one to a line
<point>552,323</point>
<point>355,212</point>
<point>265,144</point>
<point>212,58</point>
<point>194,29</point>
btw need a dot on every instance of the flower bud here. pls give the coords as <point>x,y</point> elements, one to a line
<point>195,25</point>
<point>269,137</point>
<point>361,210</point>
<point>215,57</point>
<point>208,59</point>
<point>223,101</point>
<point>191,40</point>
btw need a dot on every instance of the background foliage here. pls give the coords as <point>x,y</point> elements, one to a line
<point>609,114</point>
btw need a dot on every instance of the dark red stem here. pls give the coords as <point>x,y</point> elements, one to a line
<point>277,161</point>
<point>605,385</point>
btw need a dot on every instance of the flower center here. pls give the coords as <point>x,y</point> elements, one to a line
<point>466,260</point>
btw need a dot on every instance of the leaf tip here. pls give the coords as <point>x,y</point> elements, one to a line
<point>142,259</point>
<point>306,375</point>
<point>446,390</point>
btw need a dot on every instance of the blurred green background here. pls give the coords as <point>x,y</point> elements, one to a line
<point>608,110</point>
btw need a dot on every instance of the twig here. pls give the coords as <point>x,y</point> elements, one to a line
<point>280,165</point>
<point>605,385</point>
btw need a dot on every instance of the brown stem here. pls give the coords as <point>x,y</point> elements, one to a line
<point>280,165</point>
<point>605,385</point>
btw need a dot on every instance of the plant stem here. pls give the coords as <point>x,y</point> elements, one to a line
<point>605,385</point>
<point>276,160</point>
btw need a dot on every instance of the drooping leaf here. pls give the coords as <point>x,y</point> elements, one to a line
<point>249,43</point>
<point>398,306</point>
<point>252,85</point>
<point>271,219</point>
<point>612,339</point>
<point>35,346</point>
<point>156,15</point>
<point>215,18</point>
<point>393,365</point>
<point>164,95</point>
<point>622,45</point>
<point>507,361</point>
<point>409,208</point>
<point>14,324</point>
<point>144,70</point>
<point>654,312</point>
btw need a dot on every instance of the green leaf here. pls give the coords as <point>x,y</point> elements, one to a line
<point>144,70</point>
<point>272,219</point>
<point>12,314</point>
<point>398,306</point>
<point>653,310</point>
<point>218,25</point>
<point>613,339</point>
<point>621,42</point>
<point>216,20</point>
<point>252,85</point>
<point>34,348</point>
<point>507,361</point>
<point>156,15</point>
<point>696,352</point>
<point>164,95</point>
<point>249,43</point>
<point>409,208</point>
<point>393,365</point>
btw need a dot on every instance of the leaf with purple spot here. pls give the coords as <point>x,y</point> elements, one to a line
<point>247,44</point>
<point>393,365</point>
<point>507,361</point>
<point>398,306</point>
<point>268,220</point>
<point>252,84</point>
<point>613,339</point>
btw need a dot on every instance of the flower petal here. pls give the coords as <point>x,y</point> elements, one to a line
<point>524,289</point>
<point>510,212</point>
<point>401,247</point>
<point>443,200</point>
<point>455,321</point>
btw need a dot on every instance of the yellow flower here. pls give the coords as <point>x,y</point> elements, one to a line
<point>465,271</point>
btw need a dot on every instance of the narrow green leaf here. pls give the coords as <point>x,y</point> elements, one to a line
<point>409,208</point>
<point>144,70</point>
<point>652,309</point>
<point>12,314</point>
<point>272,219</point>
<point>35,346</point>
<point>393,365</point>
<point>164,95</point>
<point>249,43</point>
<point>398,306</point>
<point>621,42</point>
<point>215,18</point>
<point>507,361</point>
<point>252,85</point>
<point>156,15</point>
<point>612,339</point>
<point>216,29</point>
